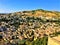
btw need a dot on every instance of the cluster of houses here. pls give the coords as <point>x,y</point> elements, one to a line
<point>15,27</point>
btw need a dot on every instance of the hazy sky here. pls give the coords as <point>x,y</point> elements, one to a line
<point>7,6</point>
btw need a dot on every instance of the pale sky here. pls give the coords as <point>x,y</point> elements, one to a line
<point>7,6</point>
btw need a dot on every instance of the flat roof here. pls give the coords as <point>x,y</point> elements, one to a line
<point>57,38</point>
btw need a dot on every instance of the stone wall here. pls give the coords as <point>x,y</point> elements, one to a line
<point>52,41</point>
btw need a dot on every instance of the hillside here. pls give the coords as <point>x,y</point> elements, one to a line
<point>29,27</point>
